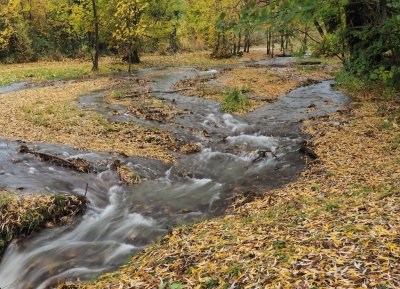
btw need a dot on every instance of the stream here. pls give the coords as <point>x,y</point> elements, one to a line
<point>121,220</point>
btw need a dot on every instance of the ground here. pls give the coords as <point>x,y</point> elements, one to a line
<point>50,114</point>
<point>261,84</point>
<point>73,69</point>
<point>338,226</point>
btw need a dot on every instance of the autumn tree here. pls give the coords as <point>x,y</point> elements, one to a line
<point>130,27</point>
<point>96,45</point>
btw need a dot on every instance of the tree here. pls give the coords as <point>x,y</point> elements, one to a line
<point>15,44</point>
<point>130,27</point>
<point>96,45</point>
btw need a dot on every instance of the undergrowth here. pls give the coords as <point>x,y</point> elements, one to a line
<point>235,101</point>
<point>386,97</point>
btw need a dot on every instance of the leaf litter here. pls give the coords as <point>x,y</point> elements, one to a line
<point>338,226</point>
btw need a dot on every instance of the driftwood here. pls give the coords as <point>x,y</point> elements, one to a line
<point>76,164</point>
<point>306,150</point>
<point>159,91</point>
<point>310,63</point>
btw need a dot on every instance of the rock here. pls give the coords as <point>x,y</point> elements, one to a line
<point>23,149</point>
<point>306,150</point>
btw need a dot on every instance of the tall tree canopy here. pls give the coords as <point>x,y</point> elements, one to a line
<point>365,35</point>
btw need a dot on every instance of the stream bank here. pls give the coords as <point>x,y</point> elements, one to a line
<point>336,226</point>
<point>122,220</point>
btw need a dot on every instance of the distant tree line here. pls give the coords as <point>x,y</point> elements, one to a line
<point>365,34</point>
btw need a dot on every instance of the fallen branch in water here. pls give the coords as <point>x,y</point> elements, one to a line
<point>310,63</point>
<point>262,154</point>
<point>76,164</point>
<point>159,91</point>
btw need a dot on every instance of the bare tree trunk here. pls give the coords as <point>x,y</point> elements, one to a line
<point>305,41</point>
<point>95,58</point>
<point>287,39</point>
<point>234,45</point>
<point>130,58</point>
<point>319,28</point>
<point>173,42</point>
<point>247,43</point>
<point>239,42</point>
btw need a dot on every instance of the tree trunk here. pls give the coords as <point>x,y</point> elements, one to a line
<point>354,18</point>
<point>234,46</point>
<point>173,42</point>
<point>319,28</point>
<point>239,43</point>
<point>95,58</point>
<point>305,41</point>
<point>247,44</point>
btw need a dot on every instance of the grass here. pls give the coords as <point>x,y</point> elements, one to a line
<point>36,72</point>
<point>235,101</point>
<point>81,68</point>
<point>386,98</point>
<point>20,216</point>
<point>323,60</point>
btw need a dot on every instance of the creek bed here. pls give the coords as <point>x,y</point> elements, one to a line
<point>122,219</point>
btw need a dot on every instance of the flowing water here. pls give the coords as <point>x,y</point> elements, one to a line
<point>121,220</point>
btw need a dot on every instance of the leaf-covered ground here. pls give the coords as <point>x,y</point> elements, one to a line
<point>262,84</point>
<point>81,68</point>
<point>338,226</point>
<point>141,104</point>
<point>22,215</point>
<point>50,114</point>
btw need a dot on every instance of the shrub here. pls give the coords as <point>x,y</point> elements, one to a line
<point>235,101</point>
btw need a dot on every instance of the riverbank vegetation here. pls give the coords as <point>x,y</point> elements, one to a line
<point>20,216</point>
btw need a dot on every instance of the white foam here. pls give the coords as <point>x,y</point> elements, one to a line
<point>255,140</point>
<point>233,124</point>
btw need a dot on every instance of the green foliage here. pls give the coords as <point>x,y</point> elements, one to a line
<point>364,35</point>
<point>173,285</point>
<point>332,206</point>
<point>315,187</point>
<point>211,283</point>
<point>235,101</point>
